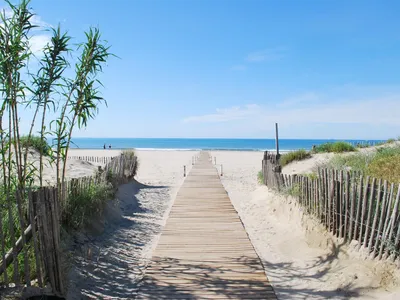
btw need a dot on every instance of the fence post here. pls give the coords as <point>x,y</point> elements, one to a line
<point>184,171</point>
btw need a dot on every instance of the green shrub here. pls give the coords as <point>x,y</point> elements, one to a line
<point>83,204</point>
<point>355,162</point>
<point>35,142</point>
<point>260,177</point>
<point>311,176</point>
<point>336,147</point>
<point>387,168</point>
<point>131,155</point>
<point>390,141</point>
<point>384,163</point>
<point>294,155</point>
<point>293,191</point>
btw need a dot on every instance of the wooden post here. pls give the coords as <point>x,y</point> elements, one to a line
<point>371,200</point>
<point>358,212</point>
<point>277,142</point>
<point>184,171</point>
<point>382,216</point>
<point>221,171</point>
<point>363,211</point>
<point>377,205</point>
<point>387,221</point>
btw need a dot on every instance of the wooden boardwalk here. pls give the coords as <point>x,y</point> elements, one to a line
<point>204,251</point>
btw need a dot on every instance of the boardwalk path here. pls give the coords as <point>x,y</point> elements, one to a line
<point>204,251</point>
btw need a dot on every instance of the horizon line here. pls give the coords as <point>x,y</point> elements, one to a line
<point>236,138</point>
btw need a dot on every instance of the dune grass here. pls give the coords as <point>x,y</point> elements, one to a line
<point>260,177</point>
<point>384,163</point>
<point>335,147</point>
<point>85,204</point>
<point>294,156</point>
<point>36,143</point>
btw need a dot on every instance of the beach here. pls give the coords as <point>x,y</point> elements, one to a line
<point>301,259</point>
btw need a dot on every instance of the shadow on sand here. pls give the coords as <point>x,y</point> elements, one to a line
<point>109,265</point>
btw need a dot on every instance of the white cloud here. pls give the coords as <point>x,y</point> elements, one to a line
<point>376,111</point>
<point>239,68</point>
<point>37,21</point>
<point>271,54</point>
<point>226,115</point>
<point>38,42</point>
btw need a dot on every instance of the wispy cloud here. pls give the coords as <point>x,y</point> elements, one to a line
<point>38,42</point>
<point>271,54</point>
<point>238,68</point>
<point>374,111</point>
<point>226,114</point>
<point>39,39</point>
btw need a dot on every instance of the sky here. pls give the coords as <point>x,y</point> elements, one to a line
<point>231,69</point>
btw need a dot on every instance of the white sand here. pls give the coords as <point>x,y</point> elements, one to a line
<point>308,165</point>
<point>110,265</point>
<point>301,259</point>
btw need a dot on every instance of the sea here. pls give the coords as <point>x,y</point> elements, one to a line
<point>204,143</point>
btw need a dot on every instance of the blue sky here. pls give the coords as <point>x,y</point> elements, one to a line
<point>227,68</point>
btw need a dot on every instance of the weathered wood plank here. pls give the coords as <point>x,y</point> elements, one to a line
<point>204,251</point>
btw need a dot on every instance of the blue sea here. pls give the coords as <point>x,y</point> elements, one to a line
<point>202,144</point>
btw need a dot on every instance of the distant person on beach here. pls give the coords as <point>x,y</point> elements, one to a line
<point>109,146</point>
<point>104,147</point>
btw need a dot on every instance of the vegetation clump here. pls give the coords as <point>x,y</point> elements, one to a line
<point>383,163</point>
<point>37,143</point>
<point>294,156</point>
<point>335,147</point>
<point>65,85</point>
<point>260,177</point>
<point>84,204</point>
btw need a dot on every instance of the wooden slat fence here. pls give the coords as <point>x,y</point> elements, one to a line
<point>350,205</point>
<point>37,252</point>
<point>94,159</point>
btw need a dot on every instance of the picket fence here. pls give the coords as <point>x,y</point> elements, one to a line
<point>350,205</point>
<point>40,223</point>
<point>93,159</point>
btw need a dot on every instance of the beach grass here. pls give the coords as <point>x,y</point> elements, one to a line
<point>36,143</point>
<point>85,204</point>
<point>336,147</point>
<point>383,163</point>
<point>260,177</point>
<point>294,156</point>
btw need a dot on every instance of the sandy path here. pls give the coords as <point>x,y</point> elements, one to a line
<point>111,264</point>
<point>301,264</point>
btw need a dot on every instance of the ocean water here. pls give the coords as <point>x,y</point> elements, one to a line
<point>201,144</point>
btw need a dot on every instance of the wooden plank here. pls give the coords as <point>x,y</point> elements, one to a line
<point>363,210</point>
<point>382,212</point>
<point>371,200</point>
<point>346,202</point>
<point>377,205</point>
<point>358,200</point>
<point>341,210</point>
<point>204,251</point>
<point>387,220</point>
<point>352,207</point>
<point>394,218</point>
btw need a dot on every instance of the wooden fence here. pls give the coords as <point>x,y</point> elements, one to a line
<point>94,159</point>
<point>350,205</point>
<point>37,253</point>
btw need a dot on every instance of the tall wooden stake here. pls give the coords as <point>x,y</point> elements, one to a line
<point>277,141</point>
